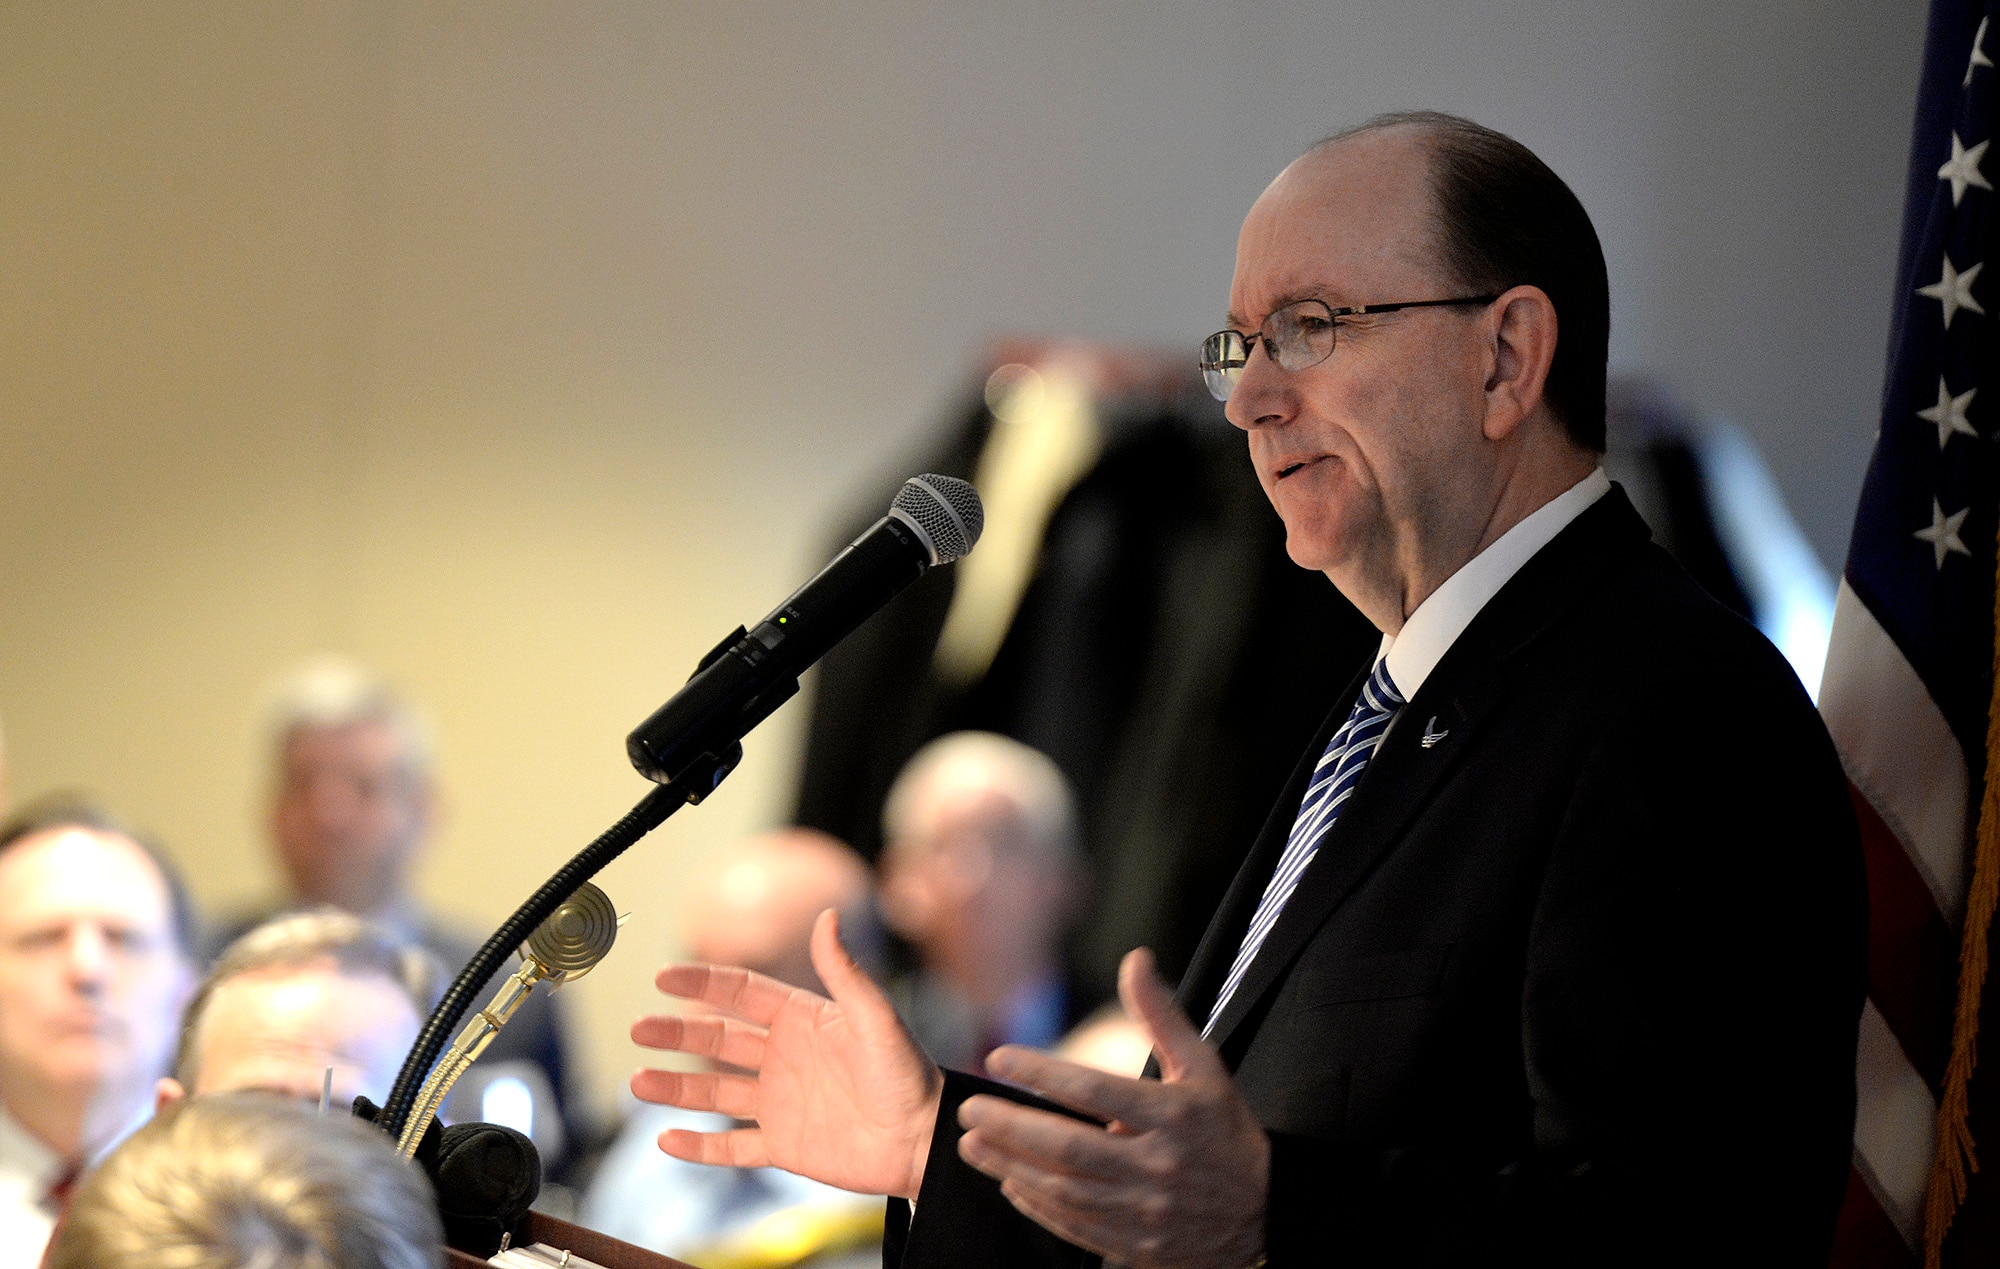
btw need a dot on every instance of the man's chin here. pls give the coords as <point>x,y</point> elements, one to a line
<point>1316,544</point>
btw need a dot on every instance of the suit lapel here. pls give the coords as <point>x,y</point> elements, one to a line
<point>1212,956</point>
<point>1458,694</point>
<point>1399,779</point>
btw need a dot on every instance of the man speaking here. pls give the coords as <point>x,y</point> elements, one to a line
<point>1553,949</point>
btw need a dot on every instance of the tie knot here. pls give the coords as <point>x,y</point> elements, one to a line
<point>1379,692</point>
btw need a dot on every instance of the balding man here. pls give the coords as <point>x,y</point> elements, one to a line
<point>980,874</point>
<point>756,911</point>
<point>1553,950</point>
<point>95,959</point>
<point>296,998</point>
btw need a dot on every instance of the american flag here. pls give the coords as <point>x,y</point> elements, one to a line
<point>1909,690</point>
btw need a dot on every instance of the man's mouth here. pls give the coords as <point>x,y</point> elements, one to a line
<point>1289,468</point>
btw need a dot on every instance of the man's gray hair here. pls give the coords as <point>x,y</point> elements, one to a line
<point>352,946</point>
<point>252,1181</point>
<point>1045,807</point>
<point>336,692</point>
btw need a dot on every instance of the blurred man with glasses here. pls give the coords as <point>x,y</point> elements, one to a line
<point>1552,951</point>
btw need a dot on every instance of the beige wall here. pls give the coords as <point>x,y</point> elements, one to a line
<point>525,348</point>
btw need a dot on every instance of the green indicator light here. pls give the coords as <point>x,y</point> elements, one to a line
<point>783,620</point>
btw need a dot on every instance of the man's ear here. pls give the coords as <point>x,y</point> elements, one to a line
<point>166,1093</point>
<point>1524,346</point>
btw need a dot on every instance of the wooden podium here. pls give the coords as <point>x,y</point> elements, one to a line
<point>588,1244</point>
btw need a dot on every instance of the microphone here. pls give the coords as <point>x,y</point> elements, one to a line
<point>694,740</point>
<point>934,520</point>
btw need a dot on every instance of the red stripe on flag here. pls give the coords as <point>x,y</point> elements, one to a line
<point>1864,1238</point>
<point>1912,956</point>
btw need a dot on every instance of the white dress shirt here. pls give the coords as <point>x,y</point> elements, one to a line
<point>27,1170</point>
<point>1443,616</point>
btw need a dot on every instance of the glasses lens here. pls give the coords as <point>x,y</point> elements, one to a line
<point>1300,335</point>
<point>1222,358</point>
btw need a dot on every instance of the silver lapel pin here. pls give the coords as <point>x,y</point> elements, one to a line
<point>1431,733</point>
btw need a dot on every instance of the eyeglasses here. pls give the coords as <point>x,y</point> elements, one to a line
<point>1296,336</point>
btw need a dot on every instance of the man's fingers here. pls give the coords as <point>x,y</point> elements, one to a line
<point>1087,1198</point>
<point>736,991</point>
<point>1178,1045</point>
<point>1027,1135</point>
<point>732,1095</point>
<point>737,1148</point>
<point>1093,1092</point>
<point>1072,1227</point>
<point>704,1035</point>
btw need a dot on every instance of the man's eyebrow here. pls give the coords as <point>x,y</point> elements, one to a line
<point>1236,322</point>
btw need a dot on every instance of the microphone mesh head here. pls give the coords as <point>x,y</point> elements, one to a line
<point>945,511</point>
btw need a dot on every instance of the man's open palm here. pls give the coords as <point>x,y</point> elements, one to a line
<point>836,1089</point>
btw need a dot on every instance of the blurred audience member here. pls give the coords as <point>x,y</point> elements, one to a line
<point>96,939</point>
<point>980,874</point>
<point>299,995</point>
<point>251,1181</point>
<point>756,912</point>
<point>353,802</point>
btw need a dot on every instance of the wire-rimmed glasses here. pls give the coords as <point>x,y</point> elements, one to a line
<point>1299,335</point>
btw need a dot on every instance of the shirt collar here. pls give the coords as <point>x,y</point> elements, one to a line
<point>142,1114</point>
<point>26,1156</point>
<point>1447,611</point>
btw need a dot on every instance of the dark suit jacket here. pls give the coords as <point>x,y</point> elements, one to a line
<point>1576,983</point>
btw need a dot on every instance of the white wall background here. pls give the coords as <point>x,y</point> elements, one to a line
<point>525,348</point>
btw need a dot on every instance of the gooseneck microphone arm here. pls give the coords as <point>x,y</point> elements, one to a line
<point>691,743</point>
<point>649,814</point>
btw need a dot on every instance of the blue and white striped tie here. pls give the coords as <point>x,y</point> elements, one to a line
<point>1333,782</point>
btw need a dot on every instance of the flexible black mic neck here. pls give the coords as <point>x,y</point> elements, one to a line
<point>691,743</point>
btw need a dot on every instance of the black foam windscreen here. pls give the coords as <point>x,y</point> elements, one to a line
<point>486,1177</point>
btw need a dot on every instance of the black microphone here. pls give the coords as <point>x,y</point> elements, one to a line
<point>934,520</point>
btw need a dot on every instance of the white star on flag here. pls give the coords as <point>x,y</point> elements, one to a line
<point>1943,533</point>
<point>1954,290</point>
<point>1979,57</point>
<point>1949,413</point>
<point>1962,169</point>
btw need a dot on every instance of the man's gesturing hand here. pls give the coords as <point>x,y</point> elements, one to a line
<point>837,1089</point>
<point>1181,1175</point>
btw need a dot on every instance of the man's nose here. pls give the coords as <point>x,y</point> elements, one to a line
<point>89,955</point>
<point>330,800</point>
<point>1263,392</point>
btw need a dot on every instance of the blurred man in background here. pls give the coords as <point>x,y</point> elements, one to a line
<point>756,912</point>
<point>353,803</point>
<point>980,873</point>
<point>96,942</point>
<point>299,996</point>
<point>251,1181</point>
